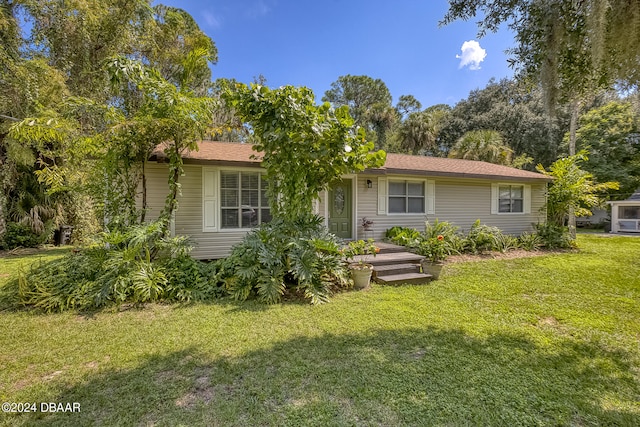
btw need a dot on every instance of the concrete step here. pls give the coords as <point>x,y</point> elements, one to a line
<point>391,269</point>
<point>388,248</point>
<point>391,258</point>
<point>406,278</point>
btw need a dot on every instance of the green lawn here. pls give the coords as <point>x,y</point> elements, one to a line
<point>550,340</point>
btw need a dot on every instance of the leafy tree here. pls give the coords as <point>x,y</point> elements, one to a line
<point>78,37</point>
<point>516,111</point>
<point>407,104</point>
<point>572,190</point>
<point>571,47</point>
<point>367,99</point>
<point>167,40</point>
<point>484,145</point>
<point>610,135</point>
<point>305,147</point>
<point>169,113</point>
<point>419,132</point>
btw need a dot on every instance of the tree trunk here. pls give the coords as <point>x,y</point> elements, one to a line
<point>573,128</point>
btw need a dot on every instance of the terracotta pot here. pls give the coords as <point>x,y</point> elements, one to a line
<point>361,275</point>
<point>432,268</point>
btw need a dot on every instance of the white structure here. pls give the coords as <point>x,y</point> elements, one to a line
<point>625,214</point>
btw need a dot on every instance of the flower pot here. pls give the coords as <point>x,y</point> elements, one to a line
<point>361,275</point>
<point>432,268</point>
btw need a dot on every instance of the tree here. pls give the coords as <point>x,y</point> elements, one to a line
<point>407,104</point>
<point>419,131</point>
<point>368,99</point>
<point>78,37</point>
<point>305,147</point>
<point>483,145</point>
<point>572,47</point>
<point>611,136</point>
<point>514,109</point>
<point>169,113</point>
<point>572,189</point>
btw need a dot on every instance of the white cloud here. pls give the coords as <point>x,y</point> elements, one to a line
<point>211,20</point>
<point>472,55</point>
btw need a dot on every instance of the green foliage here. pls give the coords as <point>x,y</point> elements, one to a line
<point>403,236</point>
<point>516,110</point>
<point>483,145</point>
<point>137,265</point>
<point>553,236</point>
<point>359,94</point>
<point>439,240</point>
<point>610,135</point>
<point>304,147</point>
<point>572,188</point>
<point>168,113</point>
<point>481,238</point>
<point>361,249</point>
<point>530,241</point>
<point>571,47</point>
<point>301,256</point>
<point>22,236</point>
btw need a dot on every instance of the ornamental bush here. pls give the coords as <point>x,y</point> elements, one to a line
<point>299,257</point>
<point>136,266</point>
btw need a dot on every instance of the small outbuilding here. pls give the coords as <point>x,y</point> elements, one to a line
<point>625,214</point>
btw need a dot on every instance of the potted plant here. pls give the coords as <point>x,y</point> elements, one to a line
<point>435,251</point>
<point>367,224</point>
<point>358,253</point>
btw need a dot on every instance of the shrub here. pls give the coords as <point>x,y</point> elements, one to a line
<point>505,243</point>
<point>482,238</point>
<point>530,241</point>
<point>21,235</point>
<point>136,265</point>
<point>555,236</point>
<point>298,255</point>
<point>403,236</point>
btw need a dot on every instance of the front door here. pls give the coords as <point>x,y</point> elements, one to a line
<point>340,205</point>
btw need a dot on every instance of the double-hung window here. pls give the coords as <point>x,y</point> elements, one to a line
<point>511,199</point>
<point>243,200</point>
<point>406,196</point>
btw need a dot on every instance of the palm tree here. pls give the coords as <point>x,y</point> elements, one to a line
<point>484,145</point>
<point>420,131</point>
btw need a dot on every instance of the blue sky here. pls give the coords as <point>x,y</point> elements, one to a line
<point>312,43</point>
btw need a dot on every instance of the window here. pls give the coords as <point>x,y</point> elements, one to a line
<point>406,197</point>
<point>243,200</point>
<point>511,199</point>
<point>629,212</point>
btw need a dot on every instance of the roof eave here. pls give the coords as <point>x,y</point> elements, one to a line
<point>394,171</point>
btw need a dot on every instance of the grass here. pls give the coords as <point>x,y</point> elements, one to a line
<point>550,340</point>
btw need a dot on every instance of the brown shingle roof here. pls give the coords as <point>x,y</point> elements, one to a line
<point>233,153</point>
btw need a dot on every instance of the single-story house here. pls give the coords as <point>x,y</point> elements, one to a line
<point>223,196</point>
<point>625,214</point>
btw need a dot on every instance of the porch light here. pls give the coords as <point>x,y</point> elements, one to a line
<point>369,183</point>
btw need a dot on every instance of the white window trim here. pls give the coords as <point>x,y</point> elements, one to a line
<point>495,198</point>
<point>429,186</point>
<point>217,228</point>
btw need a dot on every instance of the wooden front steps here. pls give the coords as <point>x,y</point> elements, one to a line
<point>395,266</point>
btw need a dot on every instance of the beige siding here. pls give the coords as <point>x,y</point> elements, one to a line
<point>459,201</point>
<point>188,218</point>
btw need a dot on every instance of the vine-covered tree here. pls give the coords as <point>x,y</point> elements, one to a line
<point>305,147</point>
